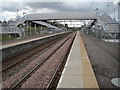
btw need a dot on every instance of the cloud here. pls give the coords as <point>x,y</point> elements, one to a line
<point>52,7</point>
<point>11,6</point>
<point>7,15</point>
<point>41,5</point>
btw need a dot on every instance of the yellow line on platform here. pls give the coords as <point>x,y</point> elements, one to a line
<point>88,73</point>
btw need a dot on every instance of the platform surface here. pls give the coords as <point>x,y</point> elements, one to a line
<point>25,41</point>
<point>78,72</point>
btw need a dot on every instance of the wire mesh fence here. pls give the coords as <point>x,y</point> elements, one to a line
<point>106,35</point>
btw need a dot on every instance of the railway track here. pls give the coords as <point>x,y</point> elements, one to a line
<point>57,74</point>
<point>36,67</point>
<point>49,44</point>
<point>24,58</point>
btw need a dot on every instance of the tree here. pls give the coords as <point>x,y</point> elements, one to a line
<point>0,21</point>
<point>66,25</point>
<point>4,21</point>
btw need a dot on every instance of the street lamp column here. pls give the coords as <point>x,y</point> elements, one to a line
<point>114,12</point>
<point>108,9</point>
<point>17,12</point>
<point>96,11</point>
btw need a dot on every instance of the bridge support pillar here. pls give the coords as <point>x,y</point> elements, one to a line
<point>27,28</point>
<point>35,29</point>
<point>30,28</point>
<point>41,29</point>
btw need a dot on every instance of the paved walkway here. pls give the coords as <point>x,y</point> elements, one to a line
<point>78,72</point>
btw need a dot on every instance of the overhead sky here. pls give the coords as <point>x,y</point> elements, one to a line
<point>10,8</point>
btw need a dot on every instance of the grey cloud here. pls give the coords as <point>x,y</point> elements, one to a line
<point>65,7</point>
<point>59,6</point>
<point>41,5</point>
<point>12,6</point>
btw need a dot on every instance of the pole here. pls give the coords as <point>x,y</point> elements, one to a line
<point>30,28</point>
<point>24,30</point>
<point>41,29</point>
<point>17,12</point>
<point>108,9</point>
<point>27,24</point>
<point>35,29</point>
<point>96,11</point>
<point>24,27</point>
<point>114,12</point>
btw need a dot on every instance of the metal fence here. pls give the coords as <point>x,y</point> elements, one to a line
<point>106,35</point>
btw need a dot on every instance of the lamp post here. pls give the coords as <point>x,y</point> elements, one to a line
<point>26,25</point>
<point>96,9</point>
<point>114,12</point>
<point>17,12</point>
<point>108,9</point>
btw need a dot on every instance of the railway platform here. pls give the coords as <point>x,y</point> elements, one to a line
<point>26,40</point>
<point>22,45</point>
<point>78,72</point>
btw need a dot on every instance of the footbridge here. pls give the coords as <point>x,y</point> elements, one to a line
<point>104,20</point>
<point>63,16</point>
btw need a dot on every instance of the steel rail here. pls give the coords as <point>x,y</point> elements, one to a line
<point>36,67</point>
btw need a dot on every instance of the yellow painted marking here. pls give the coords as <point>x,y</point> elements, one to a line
<point>88,73</point>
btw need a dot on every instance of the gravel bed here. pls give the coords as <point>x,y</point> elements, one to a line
<point>24,63</point>
<point>21,65</point>
<point>105,66</point>
<point>42,76</point>
<point>16,77</point>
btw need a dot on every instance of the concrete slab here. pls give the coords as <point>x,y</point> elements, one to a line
<point>73,64</point>
<point>73,71</point>
<point>71,81</point>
